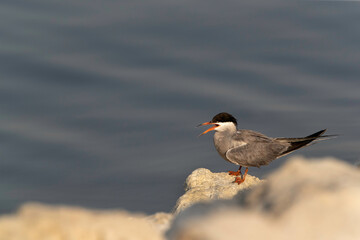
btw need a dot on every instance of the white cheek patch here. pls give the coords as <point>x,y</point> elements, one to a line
<point>225,126</point>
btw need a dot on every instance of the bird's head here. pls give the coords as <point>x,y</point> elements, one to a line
<point>221,122</point>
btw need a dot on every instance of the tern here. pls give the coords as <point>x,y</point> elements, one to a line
<point>248,148</point>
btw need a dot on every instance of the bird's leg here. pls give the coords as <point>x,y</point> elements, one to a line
<point>237,173</point>
<point>239,180</point>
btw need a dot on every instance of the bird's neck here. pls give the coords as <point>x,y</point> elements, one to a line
<point>223,141</point>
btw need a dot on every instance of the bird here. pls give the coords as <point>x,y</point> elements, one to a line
<point>248,148</point>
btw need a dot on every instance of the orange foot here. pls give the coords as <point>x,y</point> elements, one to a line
<point>239,180</point>
<point>232,173</point>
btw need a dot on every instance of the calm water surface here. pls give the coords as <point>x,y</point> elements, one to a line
<point>100,99</point>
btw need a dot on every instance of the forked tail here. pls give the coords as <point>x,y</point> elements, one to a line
<point>296,143</point>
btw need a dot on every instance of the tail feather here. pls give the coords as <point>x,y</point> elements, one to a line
<point>296,143</point>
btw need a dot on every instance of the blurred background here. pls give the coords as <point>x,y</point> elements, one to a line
<point>100,99</point>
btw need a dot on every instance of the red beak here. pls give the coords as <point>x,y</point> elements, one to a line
<point>210,129</point>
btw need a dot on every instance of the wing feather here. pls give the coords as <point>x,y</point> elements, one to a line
<point>253,149</point>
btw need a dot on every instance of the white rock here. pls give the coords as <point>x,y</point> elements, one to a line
<point>161,220</point>
<point>305,199</point>
<point>39,221</point>
<point>202,186</point>
<point>42,222</point>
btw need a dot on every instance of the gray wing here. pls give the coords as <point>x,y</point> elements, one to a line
<point>250,136</point>
<point>253,149</point>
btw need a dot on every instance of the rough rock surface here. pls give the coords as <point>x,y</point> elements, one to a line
<point>304,199</point>
<point>202,186</point>
<point>160,220</point>
<point>42,222</point>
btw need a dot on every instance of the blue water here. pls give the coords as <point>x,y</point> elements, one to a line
<point>100,99</point>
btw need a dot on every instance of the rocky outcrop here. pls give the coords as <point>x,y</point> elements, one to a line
<point>161,221</point>
<point>42,222</point>
<point>304,199</point>
<point>202,185</point>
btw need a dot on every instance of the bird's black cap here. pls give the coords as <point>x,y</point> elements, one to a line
<point>224,117</point>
